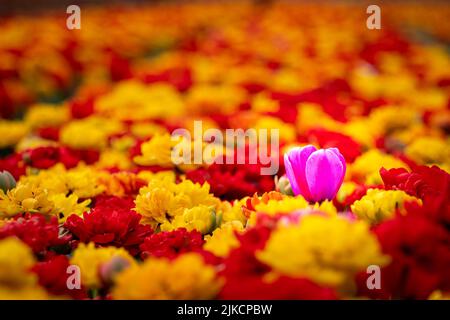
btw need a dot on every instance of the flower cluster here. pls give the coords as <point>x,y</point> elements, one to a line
<point>93,205</point>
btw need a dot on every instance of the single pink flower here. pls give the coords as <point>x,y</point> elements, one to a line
<point>315,174</point>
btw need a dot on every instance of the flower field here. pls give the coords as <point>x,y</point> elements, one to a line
<point>93,205</point>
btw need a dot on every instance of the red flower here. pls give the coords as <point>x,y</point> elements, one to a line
<point>327,139</point>
<point>171,244</point>
<point>14,164</point>
<point>53,275</point>
<point>423,182</point>
<point>46,157</point>
<point>430,184</point>
<point>254,288</point>
<point>420,253</point>
<point>111,222</point>
<point>37,231</point>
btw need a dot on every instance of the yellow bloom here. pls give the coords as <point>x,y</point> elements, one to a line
<point>286,205</point>
<point>223,239</point>
<point>429,151</point>
<point>147,130</point>
<point>205,99</point>
<point>46,115</point>
<point>113,159</point>
<point>163,199</point>
<point>89,133</point>
<point>133,100</point>
<point>11,132</point>
<point>16,259</point>
<point>378,205</point>
<point>186,277</point>
<point>157,152</point>
<point>25,198</point>
<point>68,205</point>
<point>329,250</point>
<point>287,131</point>
<point>201,218</point>
<point>89,259</point>
<point>367,166</point>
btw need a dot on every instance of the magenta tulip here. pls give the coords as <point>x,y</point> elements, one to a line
<point>315,174</point>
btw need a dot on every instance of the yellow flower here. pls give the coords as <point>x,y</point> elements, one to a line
<point>287,131</point>
<point>113,159</point>
<point>68,205</point>
<point>89,133</point>
<point>429,151</point>
<point>147,130</point>
<point>89,259</point>
<point>205,99</point>
<point>223,239</point>
<point>133,100</point>
<point>46,115</point>
<point>286,205</point>
<point>378,205</point>
<point>26,197</point>
<point>201,218</point>
<point>16,259</point>
<point>186,277</point>
<point>367,166</point>
<point>163,199</point>
<point>156,152</point>
<point>11,132</point>
<point>328,250</point>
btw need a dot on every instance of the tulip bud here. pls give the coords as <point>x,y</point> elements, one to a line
<point>283,185</point>
<point>7,181</point>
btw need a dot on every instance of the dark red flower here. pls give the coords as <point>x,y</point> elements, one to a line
<point>110,224</point>
<point>39,232</point>
<point>349,148</point>
<point>49,133</point>
<point>431,184</point>
<point>420,253</point>
<point>81,108</point>
<point>170,244</point>
<point>14,164</point>
<point>53,275</point>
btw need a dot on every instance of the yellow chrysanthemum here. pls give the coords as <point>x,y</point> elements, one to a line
<point>16,259</point>
<point>378,205</point>
<point>223,239</point>
<point>156,152</point>
<point>328,250</point>
<point>186,277</point>
<point>163,199</point>
<point>89,133</point>
<point>133,100</point>
<point>46,115</point>
<point>11,132</point>
<point>201,218</point>
<point>430,151</point>
<point>68,205</point>
<point>89,259</point>
<point>26,197</point>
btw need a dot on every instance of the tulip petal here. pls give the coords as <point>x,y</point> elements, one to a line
<point>295,162</point>
<point>324,174</point>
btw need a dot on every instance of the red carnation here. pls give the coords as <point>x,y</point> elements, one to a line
<point>110,225</point>
<point>420,253</point>
<point>53,276</point>
<point>37,231</point>
<point>170,244</point>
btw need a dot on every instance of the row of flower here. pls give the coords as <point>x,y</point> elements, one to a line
<point>89,182</point>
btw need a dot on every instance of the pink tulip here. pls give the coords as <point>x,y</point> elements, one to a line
<point>315,174</point>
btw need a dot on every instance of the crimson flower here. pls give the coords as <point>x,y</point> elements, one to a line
<point>110,225</point>
<point>40,233</point>
<point>170,244</point>
<point>420,253</point>
<point>52,275</point>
